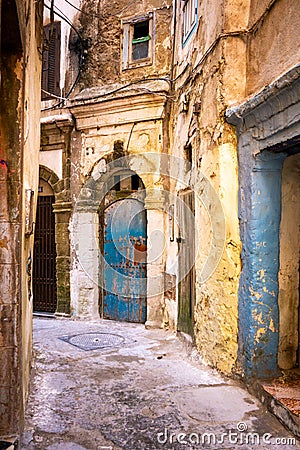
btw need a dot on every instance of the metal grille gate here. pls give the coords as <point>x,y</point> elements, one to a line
<point>44,264</point>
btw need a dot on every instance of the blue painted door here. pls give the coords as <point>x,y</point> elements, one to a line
<point>125,254</point>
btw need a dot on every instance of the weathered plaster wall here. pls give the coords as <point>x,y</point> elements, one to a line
<point>134,118</point>
<point>288,297</point>
<point>101,26</point>
<point>214,78</point>
<point>19,144</point>
<point>31,138</point>
<point>273,46</point>
<point>267,129</point>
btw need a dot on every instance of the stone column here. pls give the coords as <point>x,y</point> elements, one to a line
<point>155,205</point>
<point>62,213</point>
<point>85,263</point>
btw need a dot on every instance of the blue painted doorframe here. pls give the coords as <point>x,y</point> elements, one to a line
<point>125,252</point>
<point>260,215</point>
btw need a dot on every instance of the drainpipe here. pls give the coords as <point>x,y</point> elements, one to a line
<point>173,46</point>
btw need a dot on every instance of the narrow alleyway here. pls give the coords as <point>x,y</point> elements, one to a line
<point>109,385</point>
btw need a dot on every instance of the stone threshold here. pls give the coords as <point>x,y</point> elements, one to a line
<point>282,398</point>
<point>8,443</point>
<point>43,314</point>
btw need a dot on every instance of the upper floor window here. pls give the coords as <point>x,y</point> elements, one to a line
<point>137,41</point>
<point>51,61</point>
<point>190,18</point>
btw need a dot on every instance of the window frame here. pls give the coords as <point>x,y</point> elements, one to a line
<point>127,45</point>
<point>190,7</point>
<point>54,27</point>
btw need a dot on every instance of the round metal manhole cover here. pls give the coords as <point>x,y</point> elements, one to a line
<point>92,341</point>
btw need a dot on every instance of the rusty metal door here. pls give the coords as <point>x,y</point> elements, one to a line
<point>186,262</point>
<point>44,260</point>
<point>125,254</point>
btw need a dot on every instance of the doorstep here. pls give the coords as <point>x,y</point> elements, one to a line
<point>8,443</point>
<point>282,397</point>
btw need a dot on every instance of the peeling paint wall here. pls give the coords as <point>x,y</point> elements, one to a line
<point>209,77</point>
<point>288,297</point>
<point>268,132</point>
<point>102,26</point>
<point>274,45</point>
<point>112,102</point>
<point>19,144</point>
<point>267,125</point>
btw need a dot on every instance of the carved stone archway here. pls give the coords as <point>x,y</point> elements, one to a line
<point>86,255</point>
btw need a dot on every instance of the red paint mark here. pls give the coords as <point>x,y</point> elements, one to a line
<point>140,254</point>
<point>3,164</point>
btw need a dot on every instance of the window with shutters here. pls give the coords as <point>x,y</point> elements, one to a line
<point>51,61</point>
<point>190,18</point>
<point>137,41</point>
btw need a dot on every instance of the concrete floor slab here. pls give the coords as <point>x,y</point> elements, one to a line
<point>217,404</point>
<point>146,393</point>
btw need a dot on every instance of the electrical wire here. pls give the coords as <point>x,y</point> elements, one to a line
<point>256,24</point>
<point>80,10</point>
<point>142,80</point>
<point>242,32</point>
<point>97,15</point>
<point>54,96</point>
<point>130,134</point>
<point>170,80</point>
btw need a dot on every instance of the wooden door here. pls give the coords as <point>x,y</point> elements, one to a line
<point>186,262</point>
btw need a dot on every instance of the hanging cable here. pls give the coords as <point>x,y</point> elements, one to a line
<point>52,12</point>
<point>80,10</point>
<point>125,86</point>
<point>97,15</point>
<point>54,96</point>
<point>243,32</point>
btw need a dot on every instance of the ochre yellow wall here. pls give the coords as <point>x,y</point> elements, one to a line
<point>274,47</point>
<point>215,79</point>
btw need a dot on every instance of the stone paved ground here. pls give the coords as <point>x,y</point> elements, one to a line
<point>144,393</point>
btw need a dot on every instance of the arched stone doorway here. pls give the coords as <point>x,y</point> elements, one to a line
<point>123,243</point>
<point>88,263</point>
